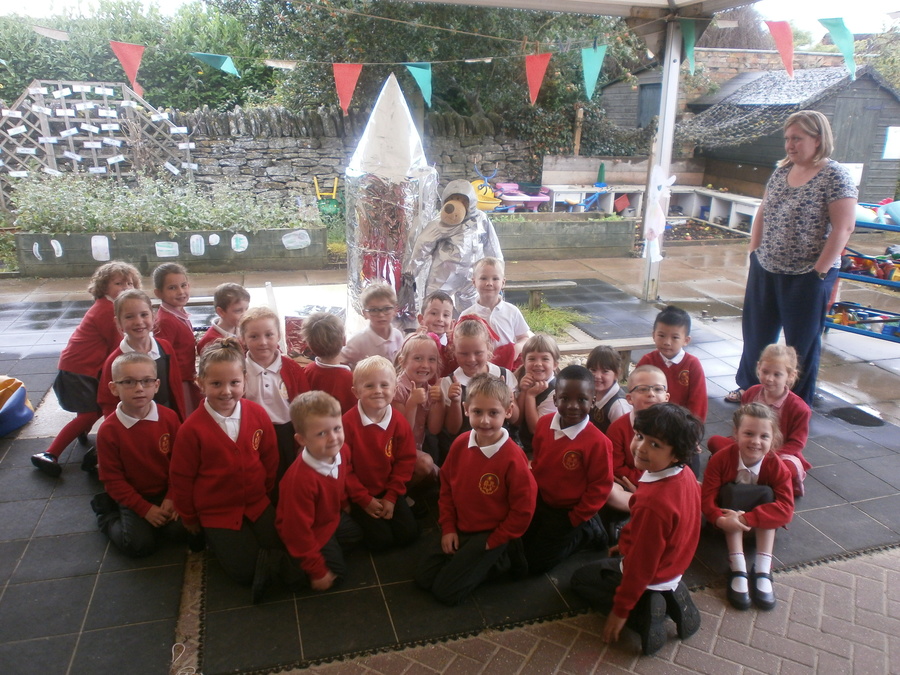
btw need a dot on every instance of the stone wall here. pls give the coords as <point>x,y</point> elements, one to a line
<point>275,153</point>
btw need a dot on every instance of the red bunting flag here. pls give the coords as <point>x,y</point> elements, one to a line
<point>784,42</point>
<point>129,56</point>
<point>345,78</point>
<point>535,67</point>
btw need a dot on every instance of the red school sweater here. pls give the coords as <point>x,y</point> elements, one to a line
<point>134,463</point>
<point>335,381</point>
<point>382,460</point>
<point>686,381</point>
<point>620,435</point>
<point>95,337</point>
<point>217,481</point>
<point>108,401</point>
<point>793,421</point>
<point>660,540</point>
<point>178,331</point>
<point>723,468</point>
<point>309,512</point>
<point>480,494</point>
<point>572,474</point>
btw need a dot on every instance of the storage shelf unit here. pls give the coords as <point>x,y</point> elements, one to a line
<point>579,193</point>
<point>863,279</point>
<point>718,208</point>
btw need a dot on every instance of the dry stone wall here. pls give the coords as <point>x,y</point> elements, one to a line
<point>275,153</point>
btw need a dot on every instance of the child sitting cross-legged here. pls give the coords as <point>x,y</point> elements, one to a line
<point>747,487</point>
<point>134,445</point>
<point>487,500</point>
<point>572,465</point>
<point>644,585</point>
<point>382,457</point>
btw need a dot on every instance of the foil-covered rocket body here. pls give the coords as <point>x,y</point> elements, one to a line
<point>443,254</point>
<point>391,192</point>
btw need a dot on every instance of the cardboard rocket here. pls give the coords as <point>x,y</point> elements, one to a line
<point>391,193</point>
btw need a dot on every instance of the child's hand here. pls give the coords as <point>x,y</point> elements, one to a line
<point>455,393</point>
<point>613,550</point>
<point>612,628</point>
<point>417,396</point>
<point>323,583</point>
<point>435,393</point>
<point>537,387</point>
<point>387,509</point>
<point>374,508</point>
<point>526,383</point>
<point>193,528</point>
<point>626,484</point>
<point>450,543</point>
<point>156,516</point>
<point>732,521</point>
<point>169,507</point>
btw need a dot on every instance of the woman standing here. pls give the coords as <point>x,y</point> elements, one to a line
<point>805,219</point>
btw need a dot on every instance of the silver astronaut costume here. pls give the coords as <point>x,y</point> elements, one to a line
<point>443,255</point>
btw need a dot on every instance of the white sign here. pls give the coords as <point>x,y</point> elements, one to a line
<point>42,109</point>
<point>65,112</point>
<point>61,93</point>
<point>52,172</point>
<point>171,168</point>
<point>91,128</point>
<point>115,160</point>
<point>18,174</point>
<point>104,91</point>
<point>79,88</point>
<point>26,151</point>
<point>112,141</point>
<point>92,145</point>
<point>15,131</point>
<point>38,90</point>
<point>178,130</point>
<point>47,139</point>
<point>192,166</point>
<point>105,112</point>
<point>128,104</point>
<point>100,247</point>
<point>87,105</point>
<point>11,113</point>
<point>65,133</point>
<point>158,117</point>
<point>73,156</point>
<point>109,127</point>
<point>96,169</point>
<point>187,146</point>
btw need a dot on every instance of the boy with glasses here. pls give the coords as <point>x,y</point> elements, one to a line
<point>380,337</point>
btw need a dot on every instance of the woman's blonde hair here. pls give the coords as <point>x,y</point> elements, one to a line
<point>787,355</point>
<point>812,123</point>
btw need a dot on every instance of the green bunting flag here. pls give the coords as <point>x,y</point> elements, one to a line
<point>843,40</point>
<point>421,73</point>
<point>220,61</point>
<point>689,34</point>
<point>591,63</point>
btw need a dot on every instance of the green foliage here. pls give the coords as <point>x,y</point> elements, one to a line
<point>885,50</point>
<point>8,260</point>
<point>171,78</point>
<point>79,203</point>
<point>551,320</point>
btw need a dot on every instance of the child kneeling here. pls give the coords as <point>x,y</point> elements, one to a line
<point>659,542</point>
<point>487,499</point>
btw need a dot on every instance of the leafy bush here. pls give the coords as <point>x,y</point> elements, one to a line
<point>80,203</point>
<point>550,320</point>
<point>8,260</point>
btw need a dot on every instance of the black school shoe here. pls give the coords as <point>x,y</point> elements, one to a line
<point>681,608</point>
<point>738,600</point>
<point>89,461</point>
<point>47,463</point>
<point>648,619</point>
<point>763,600</point>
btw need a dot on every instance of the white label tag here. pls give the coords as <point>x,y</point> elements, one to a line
<point>73,155</point>
<point>116,159</point>
<point>91,128</point>
<point>62,93</point>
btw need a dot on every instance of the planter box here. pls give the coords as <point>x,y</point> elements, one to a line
<point>563,236</point>
<point>78,255</point>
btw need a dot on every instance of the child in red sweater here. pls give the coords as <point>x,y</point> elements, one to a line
<point>80,363</point>
<point>172,287</point>
<point>134,317</point>
<point>777,372</point>
<point>437,318</point>
<point>487,500</point>
<point>684,374</point>
<point>382,457</point>
<point>311,518</point>
<point>273,380</point>
<point>572,465</point>
<point>324,334</point>
<point>134,445</point>
<point>223,466</point>
<point>747,487</point>
<point>230,301</point>
<point>658,543</point>
<point>646,387</point>
<point>537,380</point>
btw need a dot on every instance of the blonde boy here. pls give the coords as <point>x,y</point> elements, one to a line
<point>380,337</point>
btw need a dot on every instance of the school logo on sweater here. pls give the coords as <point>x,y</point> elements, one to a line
<point>572,460</point>
<point>684,378</point>
<point>389,448</point>
<point>165,443</point>
<point>257,439</point>
<point>489,484</point>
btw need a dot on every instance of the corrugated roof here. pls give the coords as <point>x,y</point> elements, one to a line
<point>776,87</point>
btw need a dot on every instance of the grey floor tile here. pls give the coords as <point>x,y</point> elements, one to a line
<point>18,519</point>
<point>885,510</point>
<point>141,649</point>
<point>25,483</point>
<point>47,656</point>
<point>135,596</point>
<point>851,528</point>
<point>344,622</point>
<point>801,542</point>
<point>66,515</point>
<point>10,554</point>
<point>245,638</point>
<point>851,482</point>
<point>44,608</point>
<point>70,555</point>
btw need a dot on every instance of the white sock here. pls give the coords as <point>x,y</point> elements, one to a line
<point>738,563</point>
<point>763,566</point>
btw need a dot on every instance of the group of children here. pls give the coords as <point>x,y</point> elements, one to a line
<point>279,469</point>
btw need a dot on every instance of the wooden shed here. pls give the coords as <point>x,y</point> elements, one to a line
<point>739,129</point>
